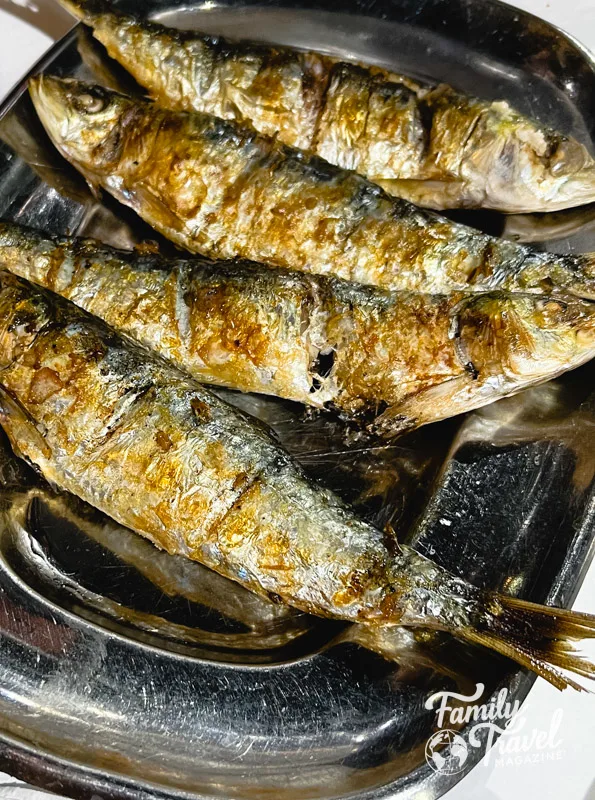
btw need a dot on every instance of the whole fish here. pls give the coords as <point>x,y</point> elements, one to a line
<point>390,360</point>
<point>131,435</point>
<point>434,146</point>
<point>222,190</point>
<point>27,503</point>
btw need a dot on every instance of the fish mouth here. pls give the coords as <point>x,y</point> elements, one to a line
<point>570,175</point>
<point>536,183</point>
<point>574,191</point>
<point>50,98</point>
<point>83,9</point>
<point>577,190</point>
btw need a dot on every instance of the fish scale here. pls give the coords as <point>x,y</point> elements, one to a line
<point>215,188</point>
<point>143,442</point>
<point>387,360</point>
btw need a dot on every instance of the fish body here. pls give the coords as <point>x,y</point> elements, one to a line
<point>28,502</point>
<point>433,146</point>
<point>159,453</point>
<point>218,189</point>
<point>130,434</point>
<point>390,360</point>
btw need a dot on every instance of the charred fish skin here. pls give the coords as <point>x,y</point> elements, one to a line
<point>136,438</point>
<point>231,323</point>
<point>391,361</point>
<point>279,90</point>
<point>149,446</point>
<point>224,191</point>
<point>432,146</point>
<point>159,453</point>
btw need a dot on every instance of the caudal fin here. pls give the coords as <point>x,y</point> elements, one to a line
<point>538,637</point>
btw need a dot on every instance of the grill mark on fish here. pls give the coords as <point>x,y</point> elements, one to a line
<point>426,112</point>
<point>265,201</point>
<point>317,87</point>
<point>182,285</point>
<point>473,126</point>
<point>386,360</point>
<point>313,101</point>
<point>126,406</point>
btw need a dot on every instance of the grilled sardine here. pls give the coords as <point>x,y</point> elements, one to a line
<point>434,146</point>
<point>136,438</point>
<point>215,188</point>
<point>391,360</point>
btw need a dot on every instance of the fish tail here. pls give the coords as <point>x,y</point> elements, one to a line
<point>540,638</point>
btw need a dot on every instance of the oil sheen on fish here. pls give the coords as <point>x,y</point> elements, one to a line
<point>218,189</point>
<point>434,146</point>
<point>389,360</point>
<point>30,503</point>
<point>133,436</point>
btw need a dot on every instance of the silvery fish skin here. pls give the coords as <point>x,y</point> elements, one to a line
<point>131,435</point>
<point>215,188</point>
<point>388,360</point>
<point>433,146</point>
<point>269,623</point>
<point>267,626</point>
<point>175,576</point>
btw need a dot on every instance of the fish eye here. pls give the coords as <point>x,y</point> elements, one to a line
<point>566,159</point>
<point>558,163</point>
<point>551,306</point>
<point>553,312</point>
<point>91,103</point>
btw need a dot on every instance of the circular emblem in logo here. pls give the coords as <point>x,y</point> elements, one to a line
<point>446,752</point>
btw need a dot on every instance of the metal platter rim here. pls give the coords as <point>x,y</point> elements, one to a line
<point>83,780</point>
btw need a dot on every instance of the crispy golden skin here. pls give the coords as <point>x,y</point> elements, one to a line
<point>149,446</point>
<point>162,455</point>
<point>433,146</point>
<point>218,189</point>
<point>388,360</point>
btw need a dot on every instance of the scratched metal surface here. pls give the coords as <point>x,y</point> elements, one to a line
<point>128,673</point>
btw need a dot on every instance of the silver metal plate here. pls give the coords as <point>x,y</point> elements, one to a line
<point>131,674</point>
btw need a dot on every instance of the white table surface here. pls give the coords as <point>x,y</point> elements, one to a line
<point>572,775</point>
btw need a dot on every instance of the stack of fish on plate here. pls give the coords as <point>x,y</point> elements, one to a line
<point>296,172</point>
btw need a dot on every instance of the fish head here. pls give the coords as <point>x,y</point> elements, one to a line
<point>81,119</point>
<point>568,170</point>
<point>523,337</point>
<point>524,166</point>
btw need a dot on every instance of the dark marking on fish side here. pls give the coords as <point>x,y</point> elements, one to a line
<point>201,410</point>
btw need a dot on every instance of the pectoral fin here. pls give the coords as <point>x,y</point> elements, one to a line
<point>24,434</point>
